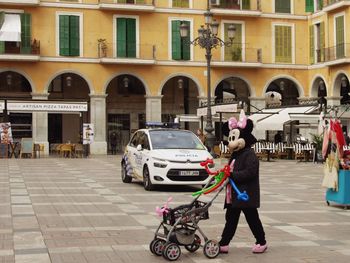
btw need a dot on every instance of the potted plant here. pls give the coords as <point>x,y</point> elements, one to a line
<point>317,141</point>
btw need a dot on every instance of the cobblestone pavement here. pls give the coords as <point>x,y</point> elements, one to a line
<point>78,210</point>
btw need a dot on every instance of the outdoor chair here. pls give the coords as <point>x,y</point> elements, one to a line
<point>281,151</point>
<point>4,149</point>
<point>66,150</point>
<point>79,150</point>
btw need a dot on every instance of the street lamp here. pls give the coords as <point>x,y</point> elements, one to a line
<point>208,39</point>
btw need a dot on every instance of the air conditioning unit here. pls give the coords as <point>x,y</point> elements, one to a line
<point>215,2</point>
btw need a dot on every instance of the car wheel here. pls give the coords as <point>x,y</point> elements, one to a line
<point>125,177</point>
<point>147,184</point>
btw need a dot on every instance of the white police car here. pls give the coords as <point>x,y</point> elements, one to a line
<point>163,156</point>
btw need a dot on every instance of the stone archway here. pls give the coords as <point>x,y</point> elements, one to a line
<point>180,97</point>
<point>342,88</point>
<point>126,108</point>
<point>64,128</point>
<point>319,91</point>
<point>15,86</point>
<point>282,92</point>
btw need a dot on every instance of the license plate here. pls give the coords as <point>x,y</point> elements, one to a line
<point>189,172</point>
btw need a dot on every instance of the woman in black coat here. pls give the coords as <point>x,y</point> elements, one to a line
<point>245,174</point>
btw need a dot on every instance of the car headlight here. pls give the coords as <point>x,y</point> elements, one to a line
<point>159,165</point>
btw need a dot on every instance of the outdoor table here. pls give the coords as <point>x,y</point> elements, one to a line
<point>290,150</point>
<point>268,151</point>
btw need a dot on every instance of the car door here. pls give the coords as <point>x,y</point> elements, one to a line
<point>131,151</point>
<point>142,154</point>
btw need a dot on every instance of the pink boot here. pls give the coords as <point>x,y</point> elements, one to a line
<point>257,248</point>
<point>224,249</point>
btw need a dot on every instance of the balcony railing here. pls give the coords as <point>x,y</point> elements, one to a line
<point>330,2</point>
<point>109,52</point>
<point>333,53</point>
<point>237,5</point>
<point>248,55</point>
<point>20,2</point>
<point>128,2</point>
<point>329,5</point>
<point>15,48</point>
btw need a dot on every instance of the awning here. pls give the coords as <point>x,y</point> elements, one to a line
<point>11,28</point>
<point>263,114</point>
<point>275,122</point>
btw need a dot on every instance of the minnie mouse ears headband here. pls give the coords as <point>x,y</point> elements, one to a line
<point>233,123</point>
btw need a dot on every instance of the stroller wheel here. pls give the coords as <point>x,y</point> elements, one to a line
<point>157,246</point>
<point>195,245</point>
<point>211,249</point>
<point>172,252</point>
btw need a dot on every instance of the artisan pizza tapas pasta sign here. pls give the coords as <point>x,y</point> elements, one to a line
<point>46,106</point>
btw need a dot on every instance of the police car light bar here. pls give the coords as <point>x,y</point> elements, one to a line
<point>174,125</point>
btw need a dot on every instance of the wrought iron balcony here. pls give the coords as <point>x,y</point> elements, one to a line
<point>13,51</point>
<point>140,5</point>
<point>122,52</point>
<point>247,56</point>
<point>237,7</point>
<point>20,2</point>
<point>338,52</point>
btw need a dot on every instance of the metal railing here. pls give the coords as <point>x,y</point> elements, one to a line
<point>333,53</point>
<point>251,55</point>
<point>238,5</point>
<point>330,2</point>
<point>128,2</point>
<point>129,51</point>
<point>18,49</point>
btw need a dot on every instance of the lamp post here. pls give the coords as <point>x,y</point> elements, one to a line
<point>208,39</point>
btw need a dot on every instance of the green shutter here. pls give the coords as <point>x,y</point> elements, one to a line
<point>64,35</point>
<point>322,41</point>
<point>2,43</point>
<point>339,27</point>
<point>309,6</point>
<point>175,40</point>
<point>282,6</point>
<point>185,3</point>
<point>246,4</point>
<point>2,18</point>
<point>121,37</point>
<point>185,44</point>
<point>131,38</point>
<point>176,3</point>
<point>26,33</point>
<point>74,36</point>
<point>227,50</point>
<point>320,4</point>
<point>237,44</point>
<point>2,47</point>
<point>283,44</point>
<point>312,44</point>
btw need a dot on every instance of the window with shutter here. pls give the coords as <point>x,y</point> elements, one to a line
<point>181,3</point>
<point>282,6</point>
<point>185,43</point>
<point>69,35</point>
<point>175,40</point>
<point>283,44</point>
<point>312,44</point>
<point>74,41</point>
<point>246,4</point>
<point>26,33</point>
<point>309,5</point>
<point>131,38</point>
<point>322,41</point>
<point>64,35</point>
<point>126,37</point>
<point>339,37</point>
<point>234,52</point>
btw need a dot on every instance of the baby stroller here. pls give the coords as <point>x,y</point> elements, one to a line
<point>179,226</point>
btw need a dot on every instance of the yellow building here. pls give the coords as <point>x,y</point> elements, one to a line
<point>119,63</point>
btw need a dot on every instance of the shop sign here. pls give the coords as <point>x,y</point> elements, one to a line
<point>46,106</point>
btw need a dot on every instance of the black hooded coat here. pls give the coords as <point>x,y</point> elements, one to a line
<point>246,170</point>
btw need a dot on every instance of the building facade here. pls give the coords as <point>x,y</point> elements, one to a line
<point>126,60</point>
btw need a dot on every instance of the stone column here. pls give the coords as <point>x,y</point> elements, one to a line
<point>40,124</point>
<point>333,101</point>
<point>154,108</point>
<point>257,104</point>
<point>98,119</point>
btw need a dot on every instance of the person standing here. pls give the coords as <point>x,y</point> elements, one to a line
<point>245,174</point>
<point>113,142</point>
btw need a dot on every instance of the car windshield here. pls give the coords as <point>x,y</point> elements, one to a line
<point>175,139</point>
